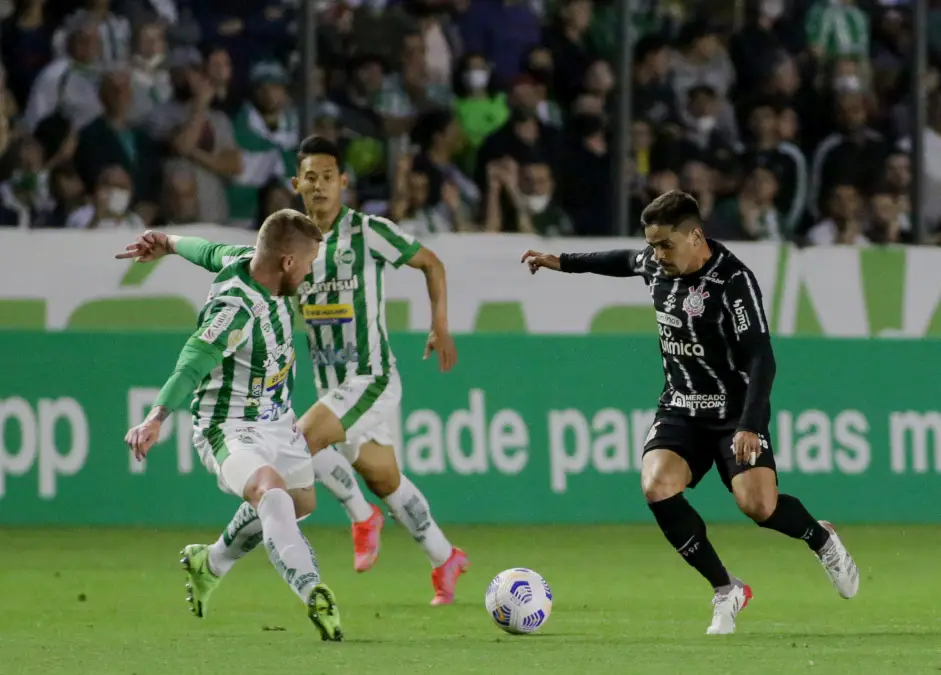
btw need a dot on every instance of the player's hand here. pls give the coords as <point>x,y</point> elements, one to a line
<point>747,447</point>
<point>147,247</point>
<point>443,343</point>
<point>141,438</point>
<point>535,259</point>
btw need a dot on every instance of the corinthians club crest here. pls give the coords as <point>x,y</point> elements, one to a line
<point>695,302</point>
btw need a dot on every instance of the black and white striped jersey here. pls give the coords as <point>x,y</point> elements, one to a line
<point>715,343</point>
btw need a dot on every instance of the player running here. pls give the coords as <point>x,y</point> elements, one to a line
<point>241,364</point>
<point>716,401</point>
<point>343,303</point>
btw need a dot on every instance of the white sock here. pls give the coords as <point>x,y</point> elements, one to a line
<point>410,508</point>
<point>288,549</point>
<point>339,477</point>
<point>238,539</point>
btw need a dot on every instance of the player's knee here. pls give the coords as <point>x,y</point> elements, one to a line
<point>658,486</point>
<point>382,479</point>
<point>321,428</point>
<point>264,479</point>
<point>758,505</point>
<point>305,501</point>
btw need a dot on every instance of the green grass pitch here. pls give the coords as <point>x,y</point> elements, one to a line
<point>103,602</point>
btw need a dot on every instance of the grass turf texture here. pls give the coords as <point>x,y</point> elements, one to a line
<point>112,602</point>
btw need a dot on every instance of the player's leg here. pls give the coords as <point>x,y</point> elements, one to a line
<point>338,476</point>
<point>756,493</point>
<point>376,463</point>
<point>240,537</point>
<point>672,463</point>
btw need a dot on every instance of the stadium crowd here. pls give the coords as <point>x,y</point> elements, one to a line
<point>788,119</point>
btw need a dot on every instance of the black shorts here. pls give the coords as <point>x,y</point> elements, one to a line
<point>702,442</point>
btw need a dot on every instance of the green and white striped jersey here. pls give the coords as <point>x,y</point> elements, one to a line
<point>254,328</point>
<point>343,300</point>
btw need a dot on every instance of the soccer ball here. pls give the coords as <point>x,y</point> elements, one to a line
<point>519,600</point>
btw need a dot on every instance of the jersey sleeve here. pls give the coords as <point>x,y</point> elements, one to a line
<point>196,361</point>
<point>389,242</point>
<point>209,255</point>
<point>751,346</point>
<point>226,325</point>
<point>619,263</point>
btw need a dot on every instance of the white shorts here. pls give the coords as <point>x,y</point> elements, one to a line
<point>234,450</point>
<point>365,405</point>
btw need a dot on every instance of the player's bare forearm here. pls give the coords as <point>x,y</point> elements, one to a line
<point>157,414</point>
<point>617,263</point>
<point>437,284</point>
<point>761,371</point>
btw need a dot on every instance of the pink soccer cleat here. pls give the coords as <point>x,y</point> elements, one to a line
<point>366,540</point>
<point>444,578</point>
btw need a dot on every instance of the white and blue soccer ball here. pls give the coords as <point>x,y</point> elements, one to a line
<point>519,601</point>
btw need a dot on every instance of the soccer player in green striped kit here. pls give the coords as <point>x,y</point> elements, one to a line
<point>343,305</point>
<point>246,435</point>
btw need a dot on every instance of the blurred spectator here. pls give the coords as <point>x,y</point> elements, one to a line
<point>855,154</point>
<point>888,222</point>
<point>843,221</point>
<point>150,80</point>
<point>267,133</point>
<point>703,140</point>
<point>380,29</point>
<point>197,137</point>
<point>111,140</point>
<point>442,41</point>
<point>25,199</point>
<point>113,30</point>
<point>26,45</point>
<point>407,94</point>
<point>412,210</point>
<point>931,139</point>
<point>700,180</point>
<point>69,84</point>
<point>785,160</point>
<point>110,205</point>
<point>571,53</point>
<point>68,191</point>
<point>225,95</point>
<point>481,109</point>
<point>703,64</point>
<point>541,73</point>
<point>539,199</point>
<point>599,82</point>
<point>837,28</point>
<point>586,179</point>
<point>523,138</point>
<point>751,216</point>
<point>439,137</point>
<point>652,96</point>
<point>273,196</point>
<point>526,93</point>
<point>767,34</point>
<point>501,30</point>
<point>179,202</point>
<point>59,140</point>
<point>503,183</point>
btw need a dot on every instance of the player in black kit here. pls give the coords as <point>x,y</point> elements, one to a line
<point>716,402</point>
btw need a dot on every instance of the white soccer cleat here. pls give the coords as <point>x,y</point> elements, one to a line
<point>726,606</point>
<point>839,564</point>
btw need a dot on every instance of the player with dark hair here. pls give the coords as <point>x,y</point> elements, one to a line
<point>342,300</point>
<point>716,402</point>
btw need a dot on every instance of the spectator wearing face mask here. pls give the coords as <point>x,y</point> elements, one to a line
<point>539,69</point>
<point>111,204</point>
<point>703,141</point>
<point>545,213</point>
<point>25,199</point>
<point>481,109</point>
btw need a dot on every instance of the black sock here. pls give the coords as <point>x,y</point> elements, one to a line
<point>791,518</point>
<point>686,531</point>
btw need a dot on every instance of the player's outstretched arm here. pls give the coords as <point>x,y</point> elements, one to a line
<point>622,263</point>
<point>152,245</point>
